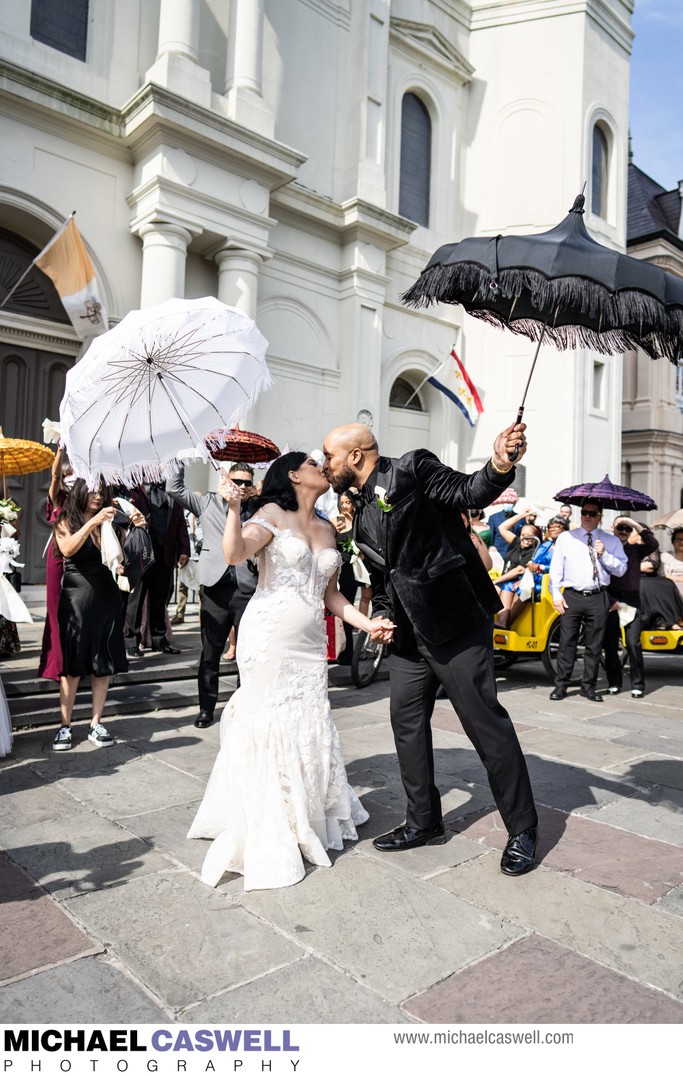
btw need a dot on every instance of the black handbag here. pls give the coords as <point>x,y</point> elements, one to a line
<point>138,554</point>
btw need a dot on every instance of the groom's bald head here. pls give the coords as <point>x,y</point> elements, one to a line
<point>351,454</point>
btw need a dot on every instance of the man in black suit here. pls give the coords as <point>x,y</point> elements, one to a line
<point>427,577</point>
<point>171,544</point>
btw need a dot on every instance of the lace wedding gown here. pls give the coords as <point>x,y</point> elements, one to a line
<point>278,790</point>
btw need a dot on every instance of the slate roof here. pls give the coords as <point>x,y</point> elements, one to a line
<point>652,210</point>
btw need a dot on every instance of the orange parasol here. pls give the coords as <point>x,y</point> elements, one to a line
<point>22,457</point>
<point>241,446</point>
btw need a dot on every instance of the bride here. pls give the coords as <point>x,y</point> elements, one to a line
<point>278,791</point>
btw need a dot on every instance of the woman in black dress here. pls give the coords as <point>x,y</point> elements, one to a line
<point>90,612</point>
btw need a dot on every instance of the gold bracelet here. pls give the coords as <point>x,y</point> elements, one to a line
<point>497,469</point>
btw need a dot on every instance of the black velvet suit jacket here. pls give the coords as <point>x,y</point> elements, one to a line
<point>431,564</point>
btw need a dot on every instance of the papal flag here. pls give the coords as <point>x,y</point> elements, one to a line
<point>66,262</point>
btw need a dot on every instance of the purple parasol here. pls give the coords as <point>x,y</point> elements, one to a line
<point>619,498</point>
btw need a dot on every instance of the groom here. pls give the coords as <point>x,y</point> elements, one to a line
<point>427,577</point>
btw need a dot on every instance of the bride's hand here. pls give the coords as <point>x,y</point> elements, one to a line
<point>229,491</point>
<point>381,630</point>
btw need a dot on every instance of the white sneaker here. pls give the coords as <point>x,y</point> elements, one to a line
<point>99,736</point>
<point>62,741</point>
<point>613,690</point>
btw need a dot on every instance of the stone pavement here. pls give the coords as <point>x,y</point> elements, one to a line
<point>103,917</point>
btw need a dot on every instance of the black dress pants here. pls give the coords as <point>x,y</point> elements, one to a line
<point>636,665</point>
<point>464,667</point>
<point>157,582</point>
<point>590,610</point>
<point>222,606</point>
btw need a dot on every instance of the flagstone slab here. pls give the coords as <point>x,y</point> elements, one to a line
<point>184,940</point>
<point>657,814</point>
<point>142,785</point>
<point>560,987</point>
<point>577,750</point>
<point>306,992</point>
<point>83,760</point>
<point>575,725</point>
<point>395,933</point>
<point>27,799</point>
<point>672,902</point>
<point>188,752</point>
<point>632,938</point>
<point>35,931</point>
<point>166,831</point>
<point>658,769</point>
<point>600,854</point>
<point>88,853</point>
<point>87,991</point>
<point>650,730</point>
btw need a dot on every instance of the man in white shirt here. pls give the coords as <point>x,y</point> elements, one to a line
<point>583,562</point>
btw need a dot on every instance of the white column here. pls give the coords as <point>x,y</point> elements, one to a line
<point>179,28</point>
<point>164,253</point>
<point>176,65</point>
<point>238,273</point>
<point>243,88</point>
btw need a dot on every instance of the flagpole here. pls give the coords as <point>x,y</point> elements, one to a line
<point>23,276</point>
<point>423,382</point>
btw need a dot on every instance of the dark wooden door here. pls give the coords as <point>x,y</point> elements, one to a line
<point>31,388</point>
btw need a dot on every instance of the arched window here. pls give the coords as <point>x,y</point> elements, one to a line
<point>416,160</point>
<point>404,396</point>
<point>599,172</point>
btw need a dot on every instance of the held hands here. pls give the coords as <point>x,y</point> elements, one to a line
<point>381,630</point>
<point>229,491</point>
<point>505,443</point>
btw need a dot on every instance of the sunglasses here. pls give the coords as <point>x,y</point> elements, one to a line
<point>623,528</point>
<point>591,515</point>
<point>241,481</point>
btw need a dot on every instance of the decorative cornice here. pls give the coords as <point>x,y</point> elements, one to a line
<point>345,221</point>
<point>298,371</point>
<point>428,43</point>
<point>338,14</point>
<point>155,110</point>
<point>662,248</point>
<point>38,90</point>
<point>26,331</point>
<point>490,13</point>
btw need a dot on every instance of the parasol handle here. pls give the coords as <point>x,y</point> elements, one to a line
<point>515,452</point>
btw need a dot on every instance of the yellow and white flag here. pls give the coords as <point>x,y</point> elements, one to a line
<point>66,262</point>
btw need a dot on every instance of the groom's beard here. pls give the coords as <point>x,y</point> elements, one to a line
<point>343,481</point>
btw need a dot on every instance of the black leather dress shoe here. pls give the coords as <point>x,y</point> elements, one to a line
<point>558,693</point>
<point>407,837</point>
<point>135,652</point>
<point>591,694</point>
<point>520,853</point>
<point>204,720</point>
<point>166,648</point>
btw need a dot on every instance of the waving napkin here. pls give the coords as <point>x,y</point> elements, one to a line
<point>52,432</point>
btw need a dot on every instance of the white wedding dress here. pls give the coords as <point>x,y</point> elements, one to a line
<point>278,791</point>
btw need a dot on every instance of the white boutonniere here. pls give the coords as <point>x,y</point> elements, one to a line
<point>383,503</point>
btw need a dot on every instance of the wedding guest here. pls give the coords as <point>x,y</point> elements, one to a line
<point>480,526</point>
<point>224,590</point>
<point>90,614</point>
<point>171,545</point>
<point>539,565</point>
<point>661,604</point>
<point>348,584</point>
<point>672,563</point>
<point>521,552</point>
<point>638,542</point>
<point>9,633</point>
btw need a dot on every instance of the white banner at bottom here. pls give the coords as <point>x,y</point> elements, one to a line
<point>329,1049</point>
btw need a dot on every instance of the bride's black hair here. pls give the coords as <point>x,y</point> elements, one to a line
<point>277,485</point>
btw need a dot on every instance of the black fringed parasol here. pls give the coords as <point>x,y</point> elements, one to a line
<point>561,285</point>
